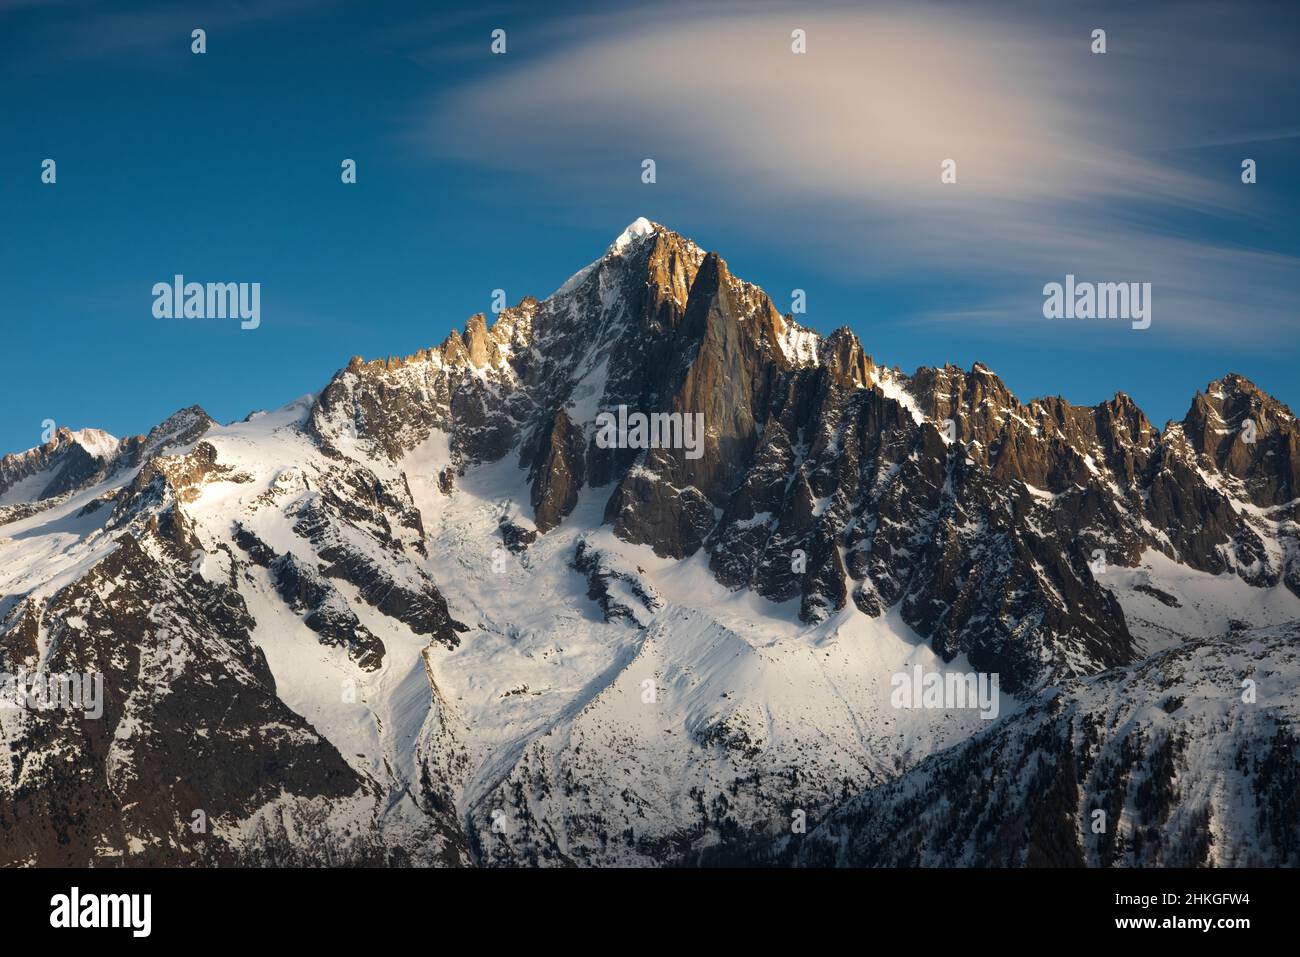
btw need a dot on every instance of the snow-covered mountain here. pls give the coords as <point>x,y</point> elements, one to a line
<point>426,617</point>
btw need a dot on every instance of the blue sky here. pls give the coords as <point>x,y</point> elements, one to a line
<point>477,171</point>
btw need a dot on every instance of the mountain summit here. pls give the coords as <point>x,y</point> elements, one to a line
<point>429,616</point>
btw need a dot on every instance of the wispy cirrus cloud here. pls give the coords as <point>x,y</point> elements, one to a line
<point>1058,150</point>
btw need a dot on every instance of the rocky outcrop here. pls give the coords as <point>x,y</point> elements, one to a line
<point>559,471</point>
<point>326,612</point>
<point>621,594</point>
<point>398,589</point>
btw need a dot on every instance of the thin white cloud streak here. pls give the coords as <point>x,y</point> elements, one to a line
<point>846,141</point>
<point>871,110</point>
<point>1203,295</point>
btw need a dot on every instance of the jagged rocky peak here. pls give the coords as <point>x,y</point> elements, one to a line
<point>491,385</point>
<point>671,261</point>
<point>842,353</point>
<point>1125,420</point>
<point>1221,410</point>
<point>1047,443</point>
<point>68,461</point>
<point>181,428</point>
<point>639,228</point>
<point>1238,429</point>
<point>948,390</point>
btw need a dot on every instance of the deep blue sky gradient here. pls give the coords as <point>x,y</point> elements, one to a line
<point>225,167</point>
